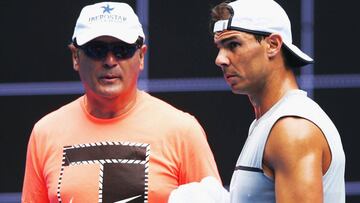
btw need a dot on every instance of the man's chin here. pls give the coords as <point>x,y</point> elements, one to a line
<point>237,91</point>
<point>110,92</point>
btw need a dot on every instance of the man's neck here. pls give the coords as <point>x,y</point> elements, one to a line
<point>272,93</point>
<point>107,108</point>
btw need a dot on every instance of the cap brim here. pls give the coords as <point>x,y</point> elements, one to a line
<point>299,58</point>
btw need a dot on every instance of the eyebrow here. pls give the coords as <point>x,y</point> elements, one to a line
<point>224,41</point>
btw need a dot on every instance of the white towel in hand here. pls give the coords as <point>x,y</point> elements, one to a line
<point>209,190</point>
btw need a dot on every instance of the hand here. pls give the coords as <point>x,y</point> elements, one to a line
<point>208,190</point>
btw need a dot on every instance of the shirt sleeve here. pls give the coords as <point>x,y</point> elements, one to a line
<point>197,160</point>
<point>34,187</point>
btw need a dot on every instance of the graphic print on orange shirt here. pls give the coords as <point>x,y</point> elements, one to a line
<point>121,167</point>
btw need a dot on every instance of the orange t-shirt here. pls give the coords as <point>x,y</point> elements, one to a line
<point>140,156</point>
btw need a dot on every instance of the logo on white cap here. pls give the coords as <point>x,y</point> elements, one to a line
<point>107,19</point>
<point>107,9</point>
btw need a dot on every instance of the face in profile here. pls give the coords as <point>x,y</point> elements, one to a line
<point>242,59</point>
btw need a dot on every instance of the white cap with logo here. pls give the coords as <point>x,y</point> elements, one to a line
<point>107,19</point>
<point>262,17</point>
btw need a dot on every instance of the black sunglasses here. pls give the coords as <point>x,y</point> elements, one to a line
<point>98,50</point>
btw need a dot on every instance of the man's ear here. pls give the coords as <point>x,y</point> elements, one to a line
<point>142,54</point>
<point>275,43</point>
<point>74,56</point>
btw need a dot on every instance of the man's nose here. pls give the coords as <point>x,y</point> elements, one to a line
<point>221,59</point>
<point>110,60</point>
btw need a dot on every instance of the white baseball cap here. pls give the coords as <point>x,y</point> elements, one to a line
<point>262,17</point>
<point>107,19</point>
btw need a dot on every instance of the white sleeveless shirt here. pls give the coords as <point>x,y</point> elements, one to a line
<point>249,183</point>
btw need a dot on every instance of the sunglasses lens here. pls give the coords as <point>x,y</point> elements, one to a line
<point>98,50</point>
<point>124,51</point>
<point>95,50</point>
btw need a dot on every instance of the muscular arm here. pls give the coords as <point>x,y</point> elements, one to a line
<point>297,155</point>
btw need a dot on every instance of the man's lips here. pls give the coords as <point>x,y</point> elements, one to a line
<point>109,77</point>
<point>229,76</point>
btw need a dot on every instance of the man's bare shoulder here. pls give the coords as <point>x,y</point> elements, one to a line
<point>293,139</point>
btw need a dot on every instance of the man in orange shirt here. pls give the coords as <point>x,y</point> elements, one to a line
<point>115,143</point>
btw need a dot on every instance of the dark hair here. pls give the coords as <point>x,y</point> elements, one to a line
<point>223,11</point>
<point>220,12</point>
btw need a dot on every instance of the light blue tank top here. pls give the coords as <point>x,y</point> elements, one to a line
<point>250,184</point>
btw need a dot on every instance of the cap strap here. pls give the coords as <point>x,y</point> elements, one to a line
<point>221,25</point>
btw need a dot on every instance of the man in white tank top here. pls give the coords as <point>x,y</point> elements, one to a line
<point>293,152</point>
